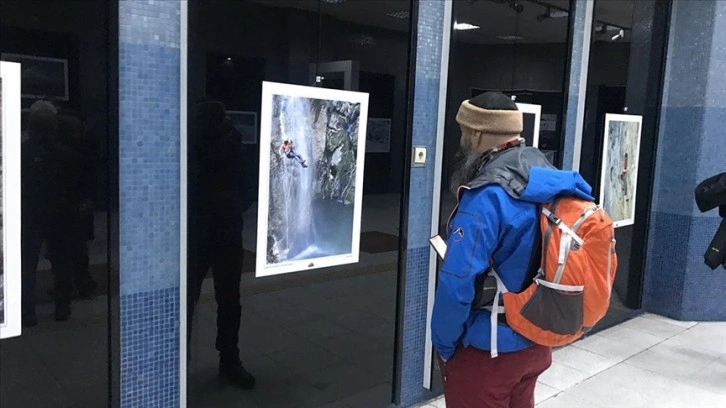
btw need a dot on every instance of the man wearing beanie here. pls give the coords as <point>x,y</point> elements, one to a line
<point>499,185</point>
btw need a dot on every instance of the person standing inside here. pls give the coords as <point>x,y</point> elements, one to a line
<point>495,226</point>
<point>49,203</point>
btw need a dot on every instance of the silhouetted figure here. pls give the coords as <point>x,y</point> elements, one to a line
<point>218,199</point>
<point>48,172</point>
<point>72,135</point>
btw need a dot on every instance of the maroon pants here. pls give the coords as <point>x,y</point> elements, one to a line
<point>472,379</point>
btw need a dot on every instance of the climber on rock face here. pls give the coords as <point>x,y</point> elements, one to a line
<point>288,149</point>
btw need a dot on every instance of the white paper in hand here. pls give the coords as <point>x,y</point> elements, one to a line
<point>439,246</point>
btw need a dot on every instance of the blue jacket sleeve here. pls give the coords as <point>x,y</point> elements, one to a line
<point>473,234</point>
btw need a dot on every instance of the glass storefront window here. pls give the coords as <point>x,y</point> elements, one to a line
<point>516,48</point>
<point>67,144</point>
<point>624,78</point>
<point>319,336</point>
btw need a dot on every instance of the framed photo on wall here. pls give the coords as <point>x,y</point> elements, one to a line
<point>10,255</point>
<point>246,124</point>
<point>312,157</point>
<point>619,171</point>
<point>41,77</point>
<point>378,135</point>
<point>531,115</point>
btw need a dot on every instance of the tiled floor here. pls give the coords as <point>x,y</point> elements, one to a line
<point>647,362</point>
<point>323,344</point>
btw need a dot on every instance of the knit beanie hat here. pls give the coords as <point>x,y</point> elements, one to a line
<point>483,129</point>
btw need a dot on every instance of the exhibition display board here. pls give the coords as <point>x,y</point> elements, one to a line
<point>619,174</point>
<point>10,264</point>
<point>312,153</point>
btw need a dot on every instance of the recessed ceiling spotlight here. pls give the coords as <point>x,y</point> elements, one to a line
<point>551,13</point>
<point>401,15</point>
<point>465,26</point>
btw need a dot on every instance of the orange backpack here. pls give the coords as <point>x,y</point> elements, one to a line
<point>571,291</point>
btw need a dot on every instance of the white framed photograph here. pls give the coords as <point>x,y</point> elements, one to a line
<point>246,125</point>
<point>619,172</point>
<point>10,255</point>
<point>378,135</point>
<point>42,77</point>
<point>312,157</point>
<point>531,116</point>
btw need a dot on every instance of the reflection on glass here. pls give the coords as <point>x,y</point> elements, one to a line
<point>215,231</point>
<point>56,202</point>
<point>322,336</point>
<point>624,75</point>
<point>61,358</point>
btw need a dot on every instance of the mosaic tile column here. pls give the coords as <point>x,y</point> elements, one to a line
<point>425,120</point>
<point>691,140</point>
<point>149,159</point>
<point>582,13</point>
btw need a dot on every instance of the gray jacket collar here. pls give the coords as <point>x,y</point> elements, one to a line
<point>510,169</point>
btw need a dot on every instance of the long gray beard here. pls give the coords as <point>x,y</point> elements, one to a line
<point>469,166</point>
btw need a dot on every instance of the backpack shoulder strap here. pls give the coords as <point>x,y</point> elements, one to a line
<point>548,234</point>
<point>536,257</point>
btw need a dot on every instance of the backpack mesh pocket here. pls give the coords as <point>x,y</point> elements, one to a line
<point>559,311</point>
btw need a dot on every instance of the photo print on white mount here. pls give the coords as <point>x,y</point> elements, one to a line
<point>312,155</point>
<point>619,171</point>
<point>246,125</point>
<point>10,271</point>
<point>42,77</point>
<point>531,116</point>
<point>378,135</point>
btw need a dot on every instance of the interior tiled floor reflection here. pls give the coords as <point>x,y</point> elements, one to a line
<point>65,361</point>
<point>315,338</point>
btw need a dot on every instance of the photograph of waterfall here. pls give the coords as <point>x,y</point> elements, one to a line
<point>10,270</point>
<point>619,174</point>
<point>312,152</point>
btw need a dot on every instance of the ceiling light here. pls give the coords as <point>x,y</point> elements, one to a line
<point>333,1</point>
<point>510,37</point>
<point>465,26</point>
<point>401,15</point>
<point>550,13</point>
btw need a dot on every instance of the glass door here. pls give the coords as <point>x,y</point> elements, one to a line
<point>293,225</point>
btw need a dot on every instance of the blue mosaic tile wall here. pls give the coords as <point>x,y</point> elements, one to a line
<point>574,101</point>
<point>425,113</point>
<point>150,349</point>
<point>149,201</point>
<point>693,116</point>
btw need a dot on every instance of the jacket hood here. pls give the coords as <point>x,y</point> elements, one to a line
<point>526,174</point>
<point>546,184</point>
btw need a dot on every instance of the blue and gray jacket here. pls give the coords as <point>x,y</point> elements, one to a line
<point>495,224</point>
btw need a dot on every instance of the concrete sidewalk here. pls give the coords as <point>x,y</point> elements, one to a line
<point>647,362</point>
